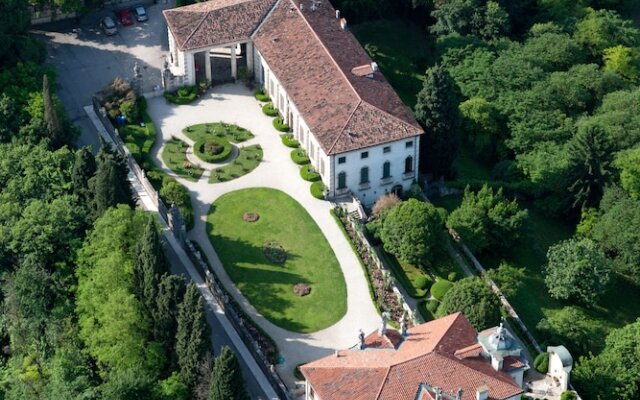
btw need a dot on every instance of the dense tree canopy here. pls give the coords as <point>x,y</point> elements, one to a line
<point>475,300</point>
<point>226,379</point>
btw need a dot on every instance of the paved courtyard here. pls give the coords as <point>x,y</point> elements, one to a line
<point>236,104</point>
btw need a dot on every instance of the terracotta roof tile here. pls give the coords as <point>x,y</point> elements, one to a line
<point>312,57</point>
<point>215,22</point>
<point>510,363</point>
<point>427,355</point>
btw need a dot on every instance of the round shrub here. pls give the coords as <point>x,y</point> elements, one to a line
<point>261,95</point>
<point>269,110</point>
<point>440,288</point>
<point>289,141</point>
<point>541,363</point>
<point>309,174</point>
<point>424,282</point>
<point>568,395</point>
<point>452,277</point>
<point>184,91</point>
<point>213,150</point>
<point>317,190</point>
<point>300,157</point>
<point>432,306</point>
<point>279,124</point>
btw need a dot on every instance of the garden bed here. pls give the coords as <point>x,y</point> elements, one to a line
<point>217,130</point>
<point>175,157</point>
<point>184,95</point>
<point>247,160</point>
<point>213,150</point>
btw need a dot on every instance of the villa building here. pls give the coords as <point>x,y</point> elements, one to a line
<point>359,135</point>
<point>444,359</point>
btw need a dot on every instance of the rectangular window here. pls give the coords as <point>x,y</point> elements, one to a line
<point>364,175</point>
<point>386,170</point>
<point>342,160</point>
<point>364,154</point>
<point>342,180</point>
<point>408,144</point>
<point>386,149</point>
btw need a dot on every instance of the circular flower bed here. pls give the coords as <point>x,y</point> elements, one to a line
<point>274,252</point>
<point>213,150</point>
<point>301,289</point>
<point>251,216</point>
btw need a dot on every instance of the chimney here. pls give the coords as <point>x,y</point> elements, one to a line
<point>497,362</point>
<point>337,353</point>
<point>343,23</point>
<point>337,14</point>
<point>482,393</point>
<point>374,66</point>
<point>301,6</point>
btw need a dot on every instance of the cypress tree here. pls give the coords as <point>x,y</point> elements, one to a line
<point>110,185</point>
<point>226,380</point>
<point>54,126</point>
<point>84,168</point>
<point>150,264</point>
<point>193,337</point>
<point>170,293</point>
<point>437,111</point>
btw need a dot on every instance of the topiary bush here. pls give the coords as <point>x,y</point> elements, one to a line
<point>541,363</point>
<point>300,157</point>
<point>261,95</point>
<point>318,189</point>
<point>308,173</point>
<point>213,150</point>
<point>440,288</point>
<point>269,110</point>
<point>279,124</point>
<point>452,277</point>
<point>432,306</point>
<point>423,282</point>
<point>289,141</point>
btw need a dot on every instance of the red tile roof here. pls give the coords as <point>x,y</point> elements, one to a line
<point>427,355</point>
<point>312,57</point>
<point>215,22</point>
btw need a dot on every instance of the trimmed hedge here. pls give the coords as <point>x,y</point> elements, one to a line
<point>198,148</point>
<point>308,173</point>
<point>289,141</point>
<point>432,306</point>
<point>261,95</point>
<point>440,288</point>
<point>269,110</point>
<point>317,190</point>
<point>423,282</point>
<point>300,157</point>
<point>541,363</point>
<point>568,395</point>
<point>279,124</point>
<point>184,95</point>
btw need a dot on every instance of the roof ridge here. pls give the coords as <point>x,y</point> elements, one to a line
<point>275,5</point>
<point>383,382</point>
<point>206,14</point>
<point>391,115</point>
<point>313,31</point>
<point>341,132</point>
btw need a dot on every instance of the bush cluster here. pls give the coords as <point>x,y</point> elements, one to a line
<point>213,150</point>
<point>289,141</point>
<point>424,282</point>
<point>270,110</point>
<point>541,363</point>
<point>432,306</point>
<point>308,173</point>
<point>440,288</point>
<point>184,95</point>
<point>300,157</point>
<point>279,124</point>
<point>317,190</point>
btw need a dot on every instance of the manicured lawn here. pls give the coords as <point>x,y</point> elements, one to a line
<point>174,155</point>
<point>402,50</point>
<point>232,133</point>
<point>269,286</point>
<point>248,159</point>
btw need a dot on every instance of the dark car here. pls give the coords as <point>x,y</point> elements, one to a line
<point>125,17</point>
<point>108,25</point>
<point>140,13</point>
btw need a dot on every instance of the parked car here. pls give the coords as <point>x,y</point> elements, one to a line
<point>108,26</point>
<point>125,17</point>
<point>140,14</point>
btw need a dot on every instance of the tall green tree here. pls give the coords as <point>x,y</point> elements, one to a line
<point>412,230</point>
<point>628,162</point>
<point>577,270</point>
<point>54,126</point>
<point>165,314</point>
<point>149,266</point>
<point>602,29</point>
<point>15,43</point>
<point>437,111</point>
<point>110,185</point>
<point>193,337</point>
<point>475,300</point>
<point>590,166</point>
<point>84,168</point>
<point>226,380</point>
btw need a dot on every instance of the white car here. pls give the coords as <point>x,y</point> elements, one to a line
<point>140,13</point>
<point>108,25</point>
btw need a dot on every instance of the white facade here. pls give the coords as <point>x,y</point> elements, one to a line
<point>366,173</point>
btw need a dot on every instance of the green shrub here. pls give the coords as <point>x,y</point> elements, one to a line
<point>432,306</point>
<point>209,150</point>
<point>184,91</point>
<point>541,363</point>
<point>568,395</point>
<point>289,141</point>
<point>269,110</point>
<point>309,174</point>
<point>423,282</point>
<point>422,309</point>
<point>142,104</point>
<point>279,124</point>
<point>300,157</point>
<point>317,190</point>
<point>261,95</point>
<point>203,85</point>
<point>440,288</point>
<point>452,277</point>
<point>183,95</point>
<point>131,111</point>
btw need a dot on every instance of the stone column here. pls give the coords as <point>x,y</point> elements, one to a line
<point>249,56</point>
<point>234,63</point>
<point>207,64</point>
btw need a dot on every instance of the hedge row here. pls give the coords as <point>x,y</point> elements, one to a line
<point>309,174</point>
<point>289,141</point>
<point>300,157</point>
<point>198,147</point>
